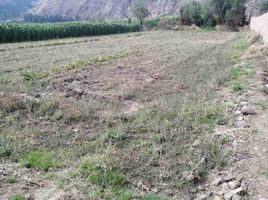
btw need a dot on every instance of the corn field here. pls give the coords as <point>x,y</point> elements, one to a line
<point>19,32</point>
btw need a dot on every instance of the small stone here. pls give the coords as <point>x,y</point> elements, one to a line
<point>240,118</point>
<point>58,115</point>
<point>197,143</point>
<point>241,124</point>
<point>237,112</point>
<point>248,110</point>
<point>265,89</point>
<point>217,198</point>
<point>225,188</point>
<point>229,195</point>
<point>217,181</point>
<point>228,178</point>
<point>235,143</point>
<point>233,185</point>
<point>236,197</point>
<point>188,176</point>
<point>243,103</point>
<point>202,196</point>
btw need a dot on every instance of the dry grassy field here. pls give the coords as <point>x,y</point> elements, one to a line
<point>113,117</point>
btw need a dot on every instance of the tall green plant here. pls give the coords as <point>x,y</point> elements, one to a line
<point>16,32</point>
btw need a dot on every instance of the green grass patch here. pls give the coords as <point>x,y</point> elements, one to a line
<point>238,86</point>
<point>31,75</point>
<point>242,44</point>
<point>40,160</point>
<point>241,72</point>
<point>266,173</point>
<point>12,179</point>
<point>98,172</point>
<point>5,147</point>
<point>214,114</point>
<point>17,197</point>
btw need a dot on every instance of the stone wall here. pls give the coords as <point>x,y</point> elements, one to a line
<point>260,25</point>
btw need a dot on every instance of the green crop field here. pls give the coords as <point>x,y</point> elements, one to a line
<point>19,32</point>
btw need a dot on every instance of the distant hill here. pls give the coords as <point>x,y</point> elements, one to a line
<point>103,9</point>
<point>92,9</point>
<point>12,9</point>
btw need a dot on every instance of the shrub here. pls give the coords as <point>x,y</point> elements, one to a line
<point>196,13</point>
<point>230,12</point>
<point>210,13</point>
<point>235,15</point>
<point>191,13</point>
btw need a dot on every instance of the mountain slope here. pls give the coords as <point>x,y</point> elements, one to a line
<point>10,9</point>
<point>102,9</point>
<point>94,9</point>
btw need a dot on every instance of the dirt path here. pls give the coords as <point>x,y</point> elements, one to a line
<point>245,137</point>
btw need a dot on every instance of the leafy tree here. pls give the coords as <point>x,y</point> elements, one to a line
<point>264,6</point>
<point>140,10</point>
<point>191,13</point>
<point>230,12</point>
<point>195,12</point>
<point>235,14</point>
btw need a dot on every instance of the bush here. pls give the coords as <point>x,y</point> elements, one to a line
<point>230,12</point>
<point>196,13</point>
<point>191,13</point>
<point>235,15</point>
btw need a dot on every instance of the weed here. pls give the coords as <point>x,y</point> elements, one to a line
<point>11,104</point>
<point>95,169</point>
<point>241,72</point>
<point>242,44</point>
<point>56,70</point>
<point>31,75</point>
<point>48,107</point>
<point>12,179</point>
<point>261,105</point>
<point>237,86</point>
<point>5,147</point>
<point>17,197</point>
<point>214,114</point>
<point>265,173</point>
<point>216,156</point>
<point>39,160</point>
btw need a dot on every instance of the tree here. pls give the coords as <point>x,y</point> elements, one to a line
<point>230,12</point>
<point>140,10</point>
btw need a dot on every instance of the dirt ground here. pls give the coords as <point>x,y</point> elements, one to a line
<point>146,106</point>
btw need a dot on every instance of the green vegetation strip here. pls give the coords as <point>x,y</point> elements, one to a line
<point>37,75</point>
<point>16,32</point>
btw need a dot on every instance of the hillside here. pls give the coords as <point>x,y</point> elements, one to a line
<point>103,9</point>
<point>93,9</point>
<point>10,9</point>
